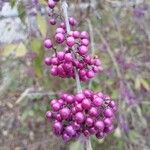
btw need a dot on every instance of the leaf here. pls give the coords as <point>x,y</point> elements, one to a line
<point>18,49</point>
<point>37,47</point>
<point>21,11</point>
<point>145,84</point>
<point>42,24</point>
<point>139,82</point>
<point>43,2</point>
<point>12,3</point>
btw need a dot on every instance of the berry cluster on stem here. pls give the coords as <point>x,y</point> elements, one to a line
<point>85,113</point>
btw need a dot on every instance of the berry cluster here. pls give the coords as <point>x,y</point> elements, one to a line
<point>86,113</point>
<point>75,53</point>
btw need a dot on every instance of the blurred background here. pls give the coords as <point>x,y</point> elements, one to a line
<point>120,36</point>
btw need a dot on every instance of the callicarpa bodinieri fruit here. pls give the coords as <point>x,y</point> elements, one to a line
<point>85,113</point>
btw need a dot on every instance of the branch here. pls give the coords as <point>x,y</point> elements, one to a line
<point>65,7</point>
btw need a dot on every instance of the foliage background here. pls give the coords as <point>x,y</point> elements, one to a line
<point>120,36</point>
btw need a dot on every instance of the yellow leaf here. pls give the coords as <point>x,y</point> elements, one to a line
<point>145,84</point>
<point>44,2</point>
<point>42,24</point>
<point>137,83</point>
<point>18,50</point>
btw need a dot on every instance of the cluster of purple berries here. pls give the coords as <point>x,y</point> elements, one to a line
<point>75,53</point>
<point>86,113</point>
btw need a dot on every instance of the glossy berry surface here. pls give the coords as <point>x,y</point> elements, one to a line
<point>85,113</point>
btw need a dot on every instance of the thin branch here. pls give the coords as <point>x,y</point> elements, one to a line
<point>111,55</point>
<point>65,7</point>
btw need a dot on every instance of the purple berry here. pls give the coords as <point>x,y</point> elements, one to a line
<point>100,135</point>
<point>86,104</point>
<point>56,106</point>
<point>48,43</point>
<point>82,50</point>
<point>52,21</point>
<point>97,101</point>
<point>60,30</point>
<point>79,97</point>
<point>89,122</point>
<point>76,34</point>
<point>93,112</point>
<point>59,37</point>
<point>49,114</point>
<point>70,41</point>
<point>107,122</point>
<point>72,21</point>
<point>70,131</point>
<point>108,113</point>
<point>68,57</point>
<point>65,113</point>
<point>84,35</point>
<point>99,125</point>
<point>85,42</point>
<point>79,117</point>
<point>51,4</point>
<point>57,128</point>
<point>47,61</point>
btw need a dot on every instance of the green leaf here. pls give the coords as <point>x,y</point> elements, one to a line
<point>42,24</point>
<point>19,50</point>
<point>21,11</point>
<point>12,3</point>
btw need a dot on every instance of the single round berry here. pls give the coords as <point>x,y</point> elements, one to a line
<point>51,4</point>
<point>100,135</point>
<point>97,101</point>
<point>49,114</point>
<point>84,35</point>
<point>56,106</point>
<point>60,30</point>
<point>79,97</point>
<point>72,21</point>
<point>93,112</point>
<point>60,55</point>
<point>90,74</point>
<point>79,117</point>
<point>89,122</point>
<point>59,37</point>
<point>57,128</point>
<point>70,41</point>
<point>47,61</point>
<point>86,104</point>
<point>85,42</point>
<point>107,122</point>
<point>68,57</point>
<point>108,113</point>
<point>48,43</point>
<point>82,50</point>
<point>52,21</point>
<point>99,125</point>
<point>65,113</point>
<point>76,34</point>
<point>70,130</point>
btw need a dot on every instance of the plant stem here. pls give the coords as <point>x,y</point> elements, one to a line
<point>86,143</point>
<point>65,7</point>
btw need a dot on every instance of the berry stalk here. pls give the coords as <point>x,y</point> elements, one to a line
<point>87,143</point>
<point>65,7</point>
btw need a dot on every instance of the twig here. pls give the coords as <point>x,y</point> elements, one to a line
<point>111,55</point>
<point>65,7</point>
